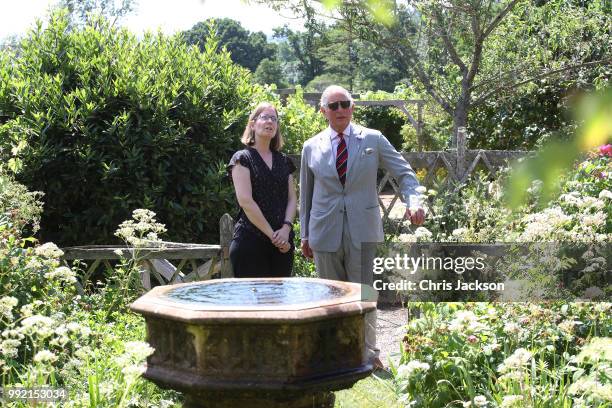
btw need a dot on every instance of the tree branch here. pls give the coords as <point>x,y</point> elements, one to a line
<point>452,52</point>
<point>413,58</point>
<point>486,96</point>
<point>505,76</point>
<point>498,19</point>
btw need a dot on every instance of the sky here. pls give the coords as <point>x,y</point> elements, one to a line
<point>169,15</point>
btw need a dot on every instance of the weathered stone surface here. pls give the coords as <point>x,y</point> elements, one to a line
<point>289,355</point>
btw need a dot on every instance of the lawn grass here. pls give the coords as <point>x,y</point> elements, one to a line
<point>376,391</point>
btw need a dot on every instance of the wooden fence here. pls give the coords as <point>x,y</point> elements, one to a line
<point>194,261</point>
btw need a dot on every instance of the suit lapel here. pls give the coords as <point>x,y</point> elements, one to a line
<point>327,153</point>
<point>354,149</point>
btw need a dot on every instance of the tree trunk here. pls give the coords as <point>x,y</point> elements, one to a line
<point>459,119</point>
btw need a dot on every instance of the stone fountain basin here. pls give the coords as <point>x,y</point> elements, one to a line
<point>274,335</point>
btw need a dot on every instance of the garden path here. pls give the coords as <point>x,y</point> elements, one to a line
<point>390,331</point>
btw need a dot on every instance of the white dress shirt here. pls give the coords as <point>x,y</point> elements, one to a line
<point>335,140</point>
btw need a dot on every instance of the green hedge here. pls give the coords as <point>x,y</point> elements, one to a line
<point>104,123</point>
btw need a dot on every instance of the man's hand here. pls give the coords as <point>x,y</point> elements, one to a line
<point>415,215</point>
<point>306,249</point>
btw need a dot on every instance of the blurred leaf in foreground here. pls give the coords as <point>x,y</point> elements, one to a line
<point>594,113</point>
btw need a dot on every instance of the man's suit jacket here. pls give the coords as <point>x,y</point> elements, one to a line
<point>323,200</point>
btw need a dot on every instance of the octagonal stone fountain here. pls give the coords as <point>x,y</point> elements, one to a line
<point>251,343</point>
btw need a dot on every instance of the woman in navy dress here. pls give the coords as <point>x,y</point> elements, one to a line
<point>262,245</point>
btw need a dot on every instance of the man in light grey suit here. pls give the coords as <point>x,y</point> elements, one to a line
<point>338,191</point>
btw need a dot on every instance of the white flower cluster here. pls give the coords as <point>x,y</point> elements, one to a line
<point>27,310</point>
<point>517,361</point>
<point>479,401</point>
<point>512,328</point>
<point>544,225</point>
<point>460,233</point>
<point>9,347</point>
<point>512,401</point>
<point>423,234</point>
<point>38,325</point>
<point>488,349</point>
<point>130,362</point>
<point>465,321</point>
<point>407,238</point>
<point>48,250</point>
<point>45,357</point>
<point>411,368</point>
<point>61,274</point>
<point>593,388</point>
<point>567,326</point>
<point>7,303</point>
<point>605,195</point>
<point>577,200</point>
<point>581,219</point>
<point>141,230</point>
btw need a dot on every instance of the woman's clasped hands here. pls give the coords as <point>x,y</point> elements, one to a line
<point>280,238</point>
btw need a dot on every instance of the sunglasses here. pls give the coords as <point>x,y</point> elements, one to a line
<point>335,105</point>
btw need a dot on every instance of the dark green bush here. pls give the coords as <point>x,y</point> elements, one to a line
<point>388,120</point>
<point>104,123</point>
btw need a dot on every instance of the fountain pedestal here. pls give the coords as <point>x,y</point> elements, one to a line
<point>286,342</point>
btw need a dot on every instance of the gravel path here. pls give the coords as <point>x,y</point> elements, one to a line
<point>390,331</point>
<point>391,319</point>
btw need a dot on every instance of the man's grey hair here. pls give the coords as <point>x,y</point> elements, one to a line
<point>333,89</point>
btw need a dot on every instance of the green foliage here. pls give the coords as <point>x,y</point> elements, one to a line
<point>388,120</point>
<point>297,52</point>
<point>53,337</point>
<point>246,49</point>
<point>473,213</point>
<point>19,207</point>
<point>394,124</point>
<point>299,122</point>
<point>354,63</point>
<point>594,115</point>
<point>480,354</point>
<point>552,33</point>
<point>103,123</point>
<point>302,266</point>
<point>269,72</point>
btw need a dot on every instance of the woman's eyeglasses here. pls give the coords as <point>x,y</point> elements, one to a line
<point>268,117</point>
<point>335,105</point>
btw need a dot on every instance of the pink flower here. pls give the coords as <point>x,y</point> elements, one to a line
<point>605,150</point>
<point>472,339</point>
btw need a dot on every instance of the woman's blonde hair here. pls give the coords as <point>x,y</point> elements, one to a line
<point>248,137</point>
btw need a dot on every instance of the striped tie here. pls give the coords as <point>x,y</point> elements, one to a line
<point>341,158</point>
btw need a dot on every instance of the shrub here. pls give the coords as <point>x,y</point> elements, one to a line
<point>388,120</point>
<point>18,207</point>
<point>299,122</point>
<point>103,123</point>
